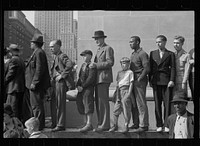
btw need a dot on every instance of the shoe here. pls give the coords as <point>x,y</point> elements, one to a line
<point>166,129</point>
<point>159,129</point>
<point>113,128</point>
<point>133,127</point>
<point>58,129</point>
<point>101,129</point>
<point>125,130</point>
<point>87,127</point>
<point>141,129</point>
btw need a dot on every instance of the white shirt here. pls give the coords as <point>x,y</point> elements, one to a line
<point>124,78</point>
<point>180,128</point>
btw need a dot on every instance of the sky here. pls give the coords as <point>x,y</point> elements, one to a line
<point>30,16</point>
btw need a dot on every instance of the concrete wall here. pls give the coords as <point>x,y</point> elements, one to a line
<point>119,26</point>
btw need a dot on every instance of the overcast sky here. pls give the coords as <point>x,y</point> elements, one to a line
<point>30,16</point>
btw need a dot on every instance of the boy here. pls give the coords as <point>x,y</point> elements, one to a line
<point>124,96</point>
<point>32,126</point>
<point>85,86</point>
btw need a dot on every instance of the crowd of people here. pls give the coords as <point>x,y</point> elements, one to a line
<point>167,72</point>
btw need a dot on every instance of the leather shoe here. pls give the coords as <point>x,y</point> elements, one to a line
<point>101,129</point>
<point>134,127</point>
<point>58,129</point>
<point>141,129</point>
<point>113,128</point>
<point>159,129</point>
<point>86,128</point>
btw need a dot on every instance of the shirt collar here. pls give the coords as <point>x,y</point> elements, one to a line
<point>138,50</point>
<point>184,115</point>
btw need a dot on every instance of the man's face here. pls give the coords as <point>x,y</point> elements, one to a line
<point>99,41</point>
<point>32,45</point>
<point>133,43</point>
<point>54,47</point>
<point>178,44</point>
<point>160,43</point>
<point>87,58</point>
<point>180,107</point>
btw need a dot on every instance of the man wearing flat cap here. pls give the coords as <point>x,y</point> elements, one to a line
<point>14,80</point>
<point>37,78</point>
<point>104,61</point>
<point>181,124</point>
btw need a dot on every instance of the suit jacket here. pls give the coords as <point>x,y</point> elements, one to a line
<point>190,124</point>
<point>162,70</point>
<point>15,75</point>
<point>37,72</point>
<point>63,66</point>
<point>105,60</point>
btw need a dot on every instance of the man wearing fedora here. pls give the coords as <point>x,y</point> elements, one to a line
<point>104,60</point>
<point>14,80</point>
<point>181,124</point>
<point>37,78</point>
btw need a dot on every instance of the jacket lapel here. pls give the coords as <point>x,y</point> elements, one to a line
<point>101,50</point>
<point>31,57</point>
<point>156,57</point>
<point>165,55</point>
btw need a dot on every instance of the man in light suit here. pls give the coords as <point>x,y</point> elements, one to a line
<point>15,81</point>
<point>60,70</point>
<point>104,60</point>
<point>37,78</point>
<point>162,78</point>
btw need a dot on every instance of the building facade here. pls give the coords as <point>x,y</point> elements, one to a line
<point>57,25</point>
<point>18,30</point>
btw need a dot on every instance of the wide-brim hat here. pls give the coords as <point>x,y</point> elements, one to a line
<point>86,52</point>
<point>8,109</point>
<point>13,47</point>
<point>37,38</point>
<point>180,97</point>
<point>99,34</point>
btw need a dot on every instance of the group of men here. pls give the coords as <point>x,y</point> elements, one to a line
<point>161,70</point>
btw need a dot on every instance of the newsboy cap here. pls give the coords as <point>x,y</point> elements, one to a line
<point>180,96</point>
<point>125,59</point>
<point>99,34</point>
<point>86,52</point>
<point>13,47</point>
<point>37,38</point>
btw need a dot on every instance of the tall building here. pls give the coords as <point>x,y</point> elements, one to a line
<point>57,25</point>
<point>18,30</point>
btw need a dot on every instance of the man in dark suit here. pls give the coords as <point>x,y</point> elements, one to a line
<point>60,70</point>
<point>104,60</point>
<point>15,81</point>
<point>37,78</point>
<point>161,78</point>
<point>181,123</point>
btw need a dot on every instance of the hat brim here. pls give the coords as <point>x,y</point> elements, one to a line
<point>179,100</point>
<point>99,36</point>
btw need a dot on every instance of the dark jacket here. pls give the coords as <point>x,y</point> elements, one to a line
<point>162,70</point>
<point>37,71</point>
<point>190,124</point>
<point>15,75</point>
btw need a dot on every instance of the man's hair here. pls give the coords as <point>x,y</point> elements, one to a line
<point>163,38</point>
<point>33,122</point>
<point>180,38</point>
<point>58,42</point>
<point>137,38</point>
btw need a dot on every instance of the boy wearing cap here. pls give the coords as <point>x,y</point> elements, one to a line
<point>15,80</point>
<point>85,86</point>
<point>181,124</point>
<point>124,96</point>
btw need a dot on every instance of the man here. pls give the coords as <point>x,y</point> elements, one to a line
<point>161,78</point>
<point>15,81</point>
<point>104,60</point>
<point>181,124</point>
<point>181,61</point>
<point>37,78</point>
<point>60,70</point>
<point>140,68</point>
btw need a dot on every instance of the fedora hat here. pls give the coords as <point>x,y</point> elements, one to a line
<point>180,96</point>
<point>99,34</point>
<point>37,38</point>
